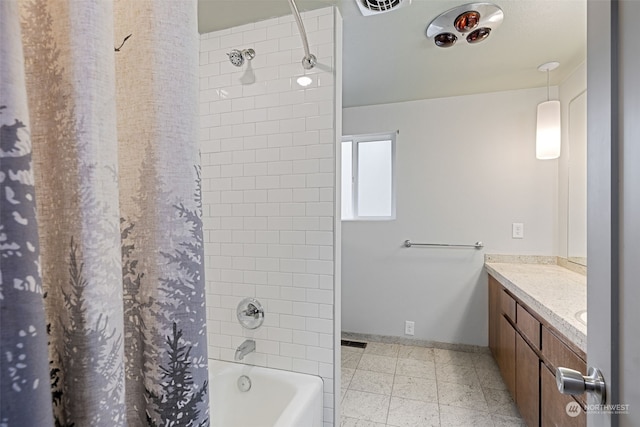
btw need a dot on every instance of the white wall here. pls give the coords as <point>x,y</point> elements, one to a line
<point>573,86</point>
<point>268,155</point>
<point>466,170</point>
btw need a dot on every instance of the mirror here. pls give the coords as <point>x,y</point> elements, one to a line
<point>577,193</point>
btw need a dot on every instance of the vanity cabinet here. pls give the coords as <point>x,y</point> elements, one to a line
<point>557,354</point>
<point>554,404</point>
<point>507,351</point>
<point>527,351</point>
<point>527,385</point>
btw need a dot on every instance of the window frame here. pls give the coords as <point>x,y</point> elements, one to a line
<point>355,141</point>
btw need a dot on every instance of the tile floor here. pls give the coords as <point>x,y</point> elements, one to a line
<point>393,385</point>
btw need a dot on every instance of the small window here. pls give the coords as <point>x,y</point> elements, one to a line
<point>368,177</point>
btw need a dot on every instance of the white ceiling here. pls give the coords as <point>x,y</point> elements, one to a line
<point>387,58</point>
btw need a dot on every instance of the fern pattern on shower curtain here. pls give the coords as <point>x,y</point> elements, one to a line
<point>102,297</point>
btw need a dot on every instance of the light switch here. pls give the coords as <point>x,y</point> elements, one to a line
<point>517,229</point>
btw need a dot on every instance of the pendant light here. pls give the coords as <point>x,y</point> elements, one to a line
<point>548,125</point>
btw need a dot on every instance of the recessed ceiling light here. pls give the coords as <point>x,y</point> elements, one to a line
<point>304,81</point>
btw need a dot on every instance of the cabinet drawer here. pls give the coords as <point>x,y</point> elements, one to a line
<point>528,325</point>
<point>558,354</point>
<point>508,306</point>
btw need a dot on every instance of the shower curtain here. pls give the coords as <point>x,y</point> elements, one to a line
<point>102,315</point>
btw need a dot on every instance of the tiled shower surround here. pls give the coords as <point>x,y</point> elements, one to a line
<point>268,177</point>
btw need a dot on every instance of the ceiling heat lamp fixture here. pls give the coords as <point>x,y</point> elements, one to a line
<point>473,22</point>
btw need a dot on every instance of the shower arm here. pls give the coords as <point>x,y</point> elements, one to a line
<point>309,60</point>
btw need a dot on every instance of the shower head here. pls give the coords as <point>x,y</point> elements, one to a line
<point>237,57</point>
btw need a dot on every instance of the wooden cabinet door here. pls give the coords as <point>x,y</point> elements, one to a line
<point>554,404</point>
<point>527,382</point>
<point>494,315</point>
<point>557,353</point>
<point>507,353</point>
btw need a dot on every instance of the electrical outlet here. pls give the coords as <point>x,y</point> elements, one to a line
<point>517,230</point>
<point>409,327</point>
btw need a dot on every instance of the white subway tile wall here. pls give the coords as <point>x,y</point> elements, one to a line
<point>268,155</point>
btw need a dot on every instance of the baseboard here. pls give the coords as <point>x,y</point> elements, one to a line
<point>355,336</point>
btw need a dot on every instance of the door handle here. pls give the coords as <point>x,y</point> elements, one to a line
<point>573,382</point>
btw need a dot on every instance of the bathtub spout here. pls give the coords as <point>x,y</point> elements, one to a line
<point>245,348</point>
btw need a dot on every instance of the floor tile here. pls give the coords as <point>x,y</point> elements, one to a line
<point>505,421</point>
<point>382,349</point>
<point>461,395</point>
<point>416,368</point>
<point>372,382</point>
<point>452,416</point>
<point>354,422</point>
<point>417,353</point>
<point>345,376</point>
<point>484,361</point>
<point>392,385</point>
<point>365,406</point>
<point>412,413</point>
<point>491,378</point>
<point>371,362</point>
<point>350,359</point>
<point>452,357</point>
<point>457,374</point>
<point>422,389</point>
<point>352,349</point>
<point>500,402</point>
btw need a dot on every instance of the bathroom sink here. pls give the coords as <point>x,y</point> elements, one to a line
<point>582,316</point>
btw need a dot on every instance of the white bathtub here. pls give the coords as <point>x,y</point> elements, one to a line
<point>276,398</point>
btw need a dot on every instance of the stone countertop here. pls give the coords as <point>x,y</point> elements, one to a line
<point>555,293</point>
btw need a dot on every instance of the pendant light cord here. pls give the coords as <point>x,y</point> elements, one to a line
<point>547,84</point>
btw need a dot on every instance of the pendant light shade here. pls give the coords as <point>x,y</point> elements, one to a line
<point>548,126</point>
<point>548,130</point>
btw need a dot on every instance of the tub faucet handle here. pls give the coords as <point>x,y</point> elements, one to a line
<point>250,313</point>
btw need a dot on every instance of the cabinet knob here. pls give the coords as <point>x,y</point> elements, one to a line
<point>572,382</point>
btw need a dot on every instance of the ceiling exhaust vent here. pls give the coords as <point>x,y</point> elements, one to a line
<point>374,7</point>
